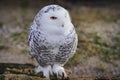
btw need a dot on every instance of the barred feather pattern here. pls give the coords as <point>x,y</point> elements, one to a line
<point>52,41</point>
<point>43,51</point>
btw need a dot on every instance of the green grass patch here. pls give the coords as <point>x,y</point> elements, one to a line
<point>110,17</point>
<point>20,37</point>
<point>92,44</point>
<point>3,46</point>
<point>25,51</point>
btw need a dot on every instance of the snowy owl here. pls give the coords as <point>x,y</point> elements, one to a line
<point>52,40</point>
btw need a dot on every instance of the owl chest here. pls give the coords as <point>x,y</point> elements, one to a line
<point>60,46</point>
<point>52,44</point>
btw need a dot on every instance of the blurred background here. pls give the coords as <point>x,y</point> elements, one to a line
<point>97,23</point>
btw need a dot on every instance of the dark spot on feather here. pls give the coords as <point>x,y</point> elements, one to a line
<point>51,8</point>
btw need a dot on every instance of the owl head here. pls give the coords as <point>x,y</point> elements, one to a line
<point>53,18</point>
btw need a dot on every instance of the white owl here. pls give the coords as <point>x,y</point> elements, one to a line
<point>52,40</point>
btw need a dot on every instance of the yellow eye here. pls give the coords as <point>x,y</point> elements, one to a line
<point>53,17</point>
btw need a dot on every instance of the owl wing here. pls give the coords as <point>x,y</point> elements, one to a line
<point>68,48</point>
<point>36,43</point>
<point>74,44</point>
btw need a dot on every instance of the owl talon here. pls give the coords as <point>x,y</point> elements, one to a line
<point>59,70</point>
<point>55,76</point>
<point>64,77</point>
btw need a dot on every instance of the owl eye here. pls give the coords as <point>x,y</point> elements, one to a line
<point>53,18</point>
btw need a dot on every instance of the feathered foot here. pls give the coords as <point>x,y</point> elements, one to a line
<point>59,70</point>
<point>46,71</point>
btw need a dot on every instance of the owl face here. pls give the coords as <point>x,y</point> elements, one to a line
<point>54,15</point>
<point>54,18</point>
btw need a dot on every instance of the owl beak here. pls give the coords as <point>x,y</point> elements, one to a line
<point>62,25</point>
